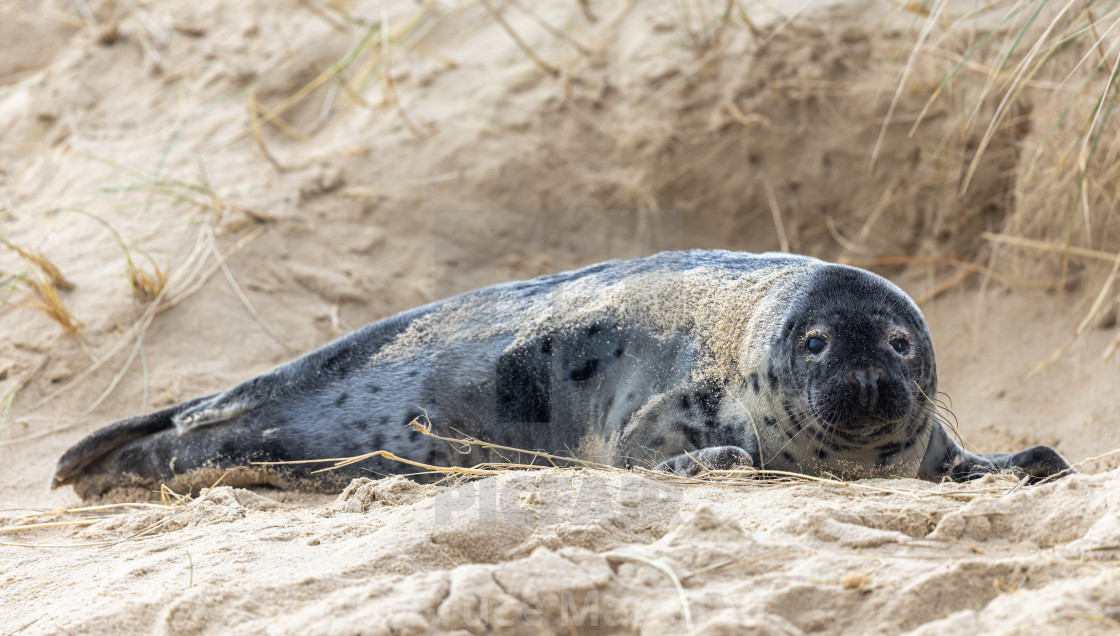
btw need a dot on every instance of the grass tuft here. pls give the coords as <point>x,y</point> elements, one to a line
<point>43,296</point>
<point>43,280</point>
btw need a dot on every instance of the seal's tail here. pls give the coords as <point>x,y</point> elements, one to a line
<point>103,441</point>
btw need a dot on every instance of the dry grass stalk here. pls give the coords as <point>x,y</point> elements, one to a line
<point>371,41</point>
<point>1089,461</point>
<point>723,565</point>
<point>775,212</point>
<point>186,504</point>
<point>403,33</point>
<point>1112,348</point>
<point>43,280</point>
<point>965,269</point>
<point>141,534</point>
<point>1093,311</point>
<point>1050,246</point>
<point>155,308</point>
<point>485,469</point>
<point>1067,250</point>
<point>1018,59</point>
<point>525,48</point>
<point>40,261</point>
<point>43,296</point>
<point>255,127</point>
<point>556,33</point>
<point>686,611</point>
<point>322,78</point>
<point>245,302</point>
<point>199,195</point>
<point>946,285</point>
<point>843,241</point>
<point>99,508</point>
<point>219,204</point>
<point>145,286</point>
<point>880,261</point>
<point>51,524</point>
<point>389,87</point>
<point>1018,83</point>
<point>181,284</point>
<point>910,62</point>
<point>339,462</point>
<point>742,477</point>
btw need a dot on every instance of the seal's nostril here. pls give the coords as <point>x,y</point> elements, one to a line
<point>868,383</point>
<point>865,379</point>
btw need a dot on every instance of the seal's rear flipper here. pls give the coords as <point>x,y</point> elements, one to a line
<point>221,438</point>
<point>105,440</point>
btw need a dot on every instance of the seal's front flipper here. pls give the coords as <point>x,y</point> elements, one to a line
<point>227,405</point>
<point>945,458</point>
<point>713,458</point>
<point>1038,463</point>
<point>216,410</point>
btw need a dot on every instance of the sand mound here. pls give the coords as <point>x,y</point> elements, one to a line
<point>597,552</point>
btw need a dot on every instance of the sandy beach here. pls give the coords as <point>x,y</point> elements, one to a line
<point>224,186</point>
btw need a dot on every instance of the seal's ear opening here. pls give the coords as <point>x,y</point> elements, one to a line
<point>105,440</point>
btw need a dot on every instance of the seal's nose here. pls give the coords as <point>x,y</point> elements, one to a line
<point>868,382</point>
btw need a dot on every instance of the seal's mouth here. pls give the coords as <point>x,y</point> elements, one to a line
<point>837,407</point>
<point>856,431</point>
<point>862,422</point>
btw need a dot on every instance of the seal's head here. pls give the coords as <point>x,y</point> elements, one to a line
<point>861,353</point>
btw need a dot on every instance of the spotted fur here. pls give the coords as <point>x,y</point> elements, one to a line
<point>660,361</point>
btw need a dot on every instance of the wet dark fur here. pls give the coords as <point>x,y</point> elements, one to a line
<point>623,384</point>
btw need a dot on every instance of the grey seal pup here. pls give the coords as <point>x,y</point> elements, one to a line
<point>775,361</point>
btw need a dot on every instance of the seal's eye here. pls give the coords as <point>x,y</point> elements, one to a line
<point>815,345</point>
<point>901,346</point>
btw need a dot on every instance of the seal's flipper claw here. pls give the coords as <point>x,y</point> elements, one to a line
<point>227,405</point>
<point>208,414</point>
<point>714,458</point>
